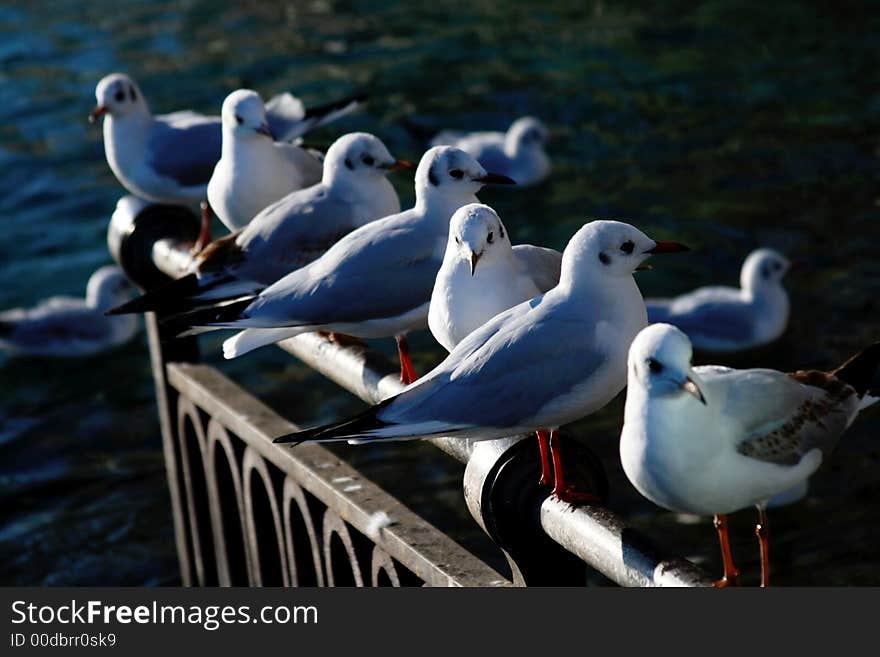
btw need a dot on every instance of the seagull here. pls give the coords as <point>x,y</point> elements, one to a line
<point>170,158</point>
<point>254,170</point>
<point>517,153</point>
<point>545,362</point>
<point>712,440</point>
<point>725,319</point>
<point>483,275</point>
<point>69,326</point>
<point>289,233</point>
<point>375,282</point>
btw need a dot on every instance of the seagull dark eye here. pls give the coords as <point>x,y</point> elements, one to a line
<point>655,366</point>
<point>366,159</point>
<point>457,174</point>
<point>490,237</point>
<point>238,119</point>
<point>458,240</point>
<point>777,266</point>
<point>119,96</point>
<point>628,246</point>
<point>604,259</point>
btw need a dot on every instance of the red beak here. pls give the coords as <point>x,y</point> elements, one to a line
<point>667,247</point>
<point>401,165</point>
<point>495,179</point>
<point>97,113</point>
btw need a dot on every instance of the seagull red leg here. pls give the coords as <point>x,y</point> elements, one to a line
<point>407,371</point>
<point>763,533</point>
<point>566,492</point>
<point>205,230</point>
<point>731,573</point>
<point>544,448</point>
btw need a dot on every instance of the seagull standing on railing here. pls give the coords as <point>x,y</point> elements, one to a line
<point>545,362</point>
<point>518,153</point>
<point>254,170</point>
<point>483,275</point>
<point>70,326</point>
<point>288,234</point>
<point>712,440</point>
<point>723,319</point>
<point>375,282</point>
<point>170,158</point>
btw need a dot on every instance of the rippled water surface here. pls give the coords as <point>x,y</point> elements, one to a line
<point>725,125</point>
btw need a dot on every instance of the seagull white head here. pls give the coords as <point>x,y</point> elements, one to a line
<point>244,115</point>
<point>660,364</point>
<point>118,96</point>
<point>108,287</point>
<point>476,234</point>
<point>446,171</point>
<point>359,156</point>
<point>527,132</point>
<point>609,249</point>
<point>763,267</point>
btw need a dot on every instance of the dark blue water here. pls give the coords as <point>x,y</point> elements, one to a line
<point>726,125</point>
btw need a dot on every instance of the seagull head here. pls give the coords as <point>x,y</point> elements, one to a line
<point>118,96</point>
<point>448,172</point>
<point>244,115</point>
<point>660,364</point>
<point>108,287</point>
<point>476,235</point>
<point>358,157</point>
<point>763,267</point>
<point>609,249</point>
<point>524,133</point>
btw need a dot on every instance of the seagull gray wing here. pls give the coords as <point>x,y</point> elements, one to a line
<point>309,167</point>
<point>716,312</point>
<point>185,147</point>
<point>783,416</point>
<point>289,119</point>
<point>503,374</point>
<point>543,265</point>
<point>55,322</point>
<point>383,269</point>
<point>294,231</point>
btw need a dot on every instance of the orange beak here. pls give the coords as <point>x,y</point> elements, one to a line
<point>97,113</point>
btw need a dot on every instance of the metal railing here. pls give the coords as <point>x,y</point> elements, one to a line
<point>247,511</point>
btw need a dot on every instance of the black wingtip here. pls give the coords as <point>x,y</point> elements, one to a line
<point>860,370</point>
<point>180,324</point>
<point>172,297</point>
<point>344,430</point>
<point>319,111</point>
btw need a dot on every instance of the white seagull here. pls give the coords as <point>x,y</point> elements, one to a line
<point>545,362</point>
<point>375,282</point>
<point>724,319</point>
<point>71,326</point>
<point>483,275</point>
<point>170,158</point>
<point>289,233</point>
<point>254,170</point>
<point>712,440</point>
<point>518,153</point>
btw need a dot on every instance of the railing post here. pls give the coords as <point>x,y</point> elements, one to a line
<point>135,228</point>
<point>502,492</point>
